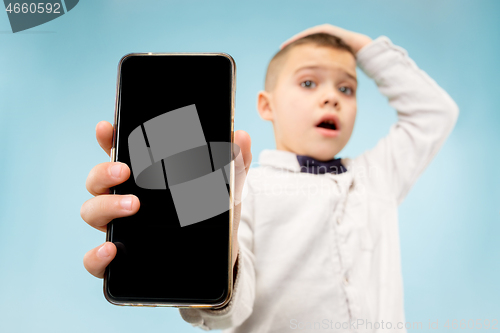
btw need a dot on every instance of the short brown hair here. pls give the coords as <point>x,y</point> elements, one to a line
<point>318,39</point>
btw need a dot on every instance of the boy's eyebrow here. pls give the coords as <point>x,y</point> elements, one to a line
<point>318,67</point>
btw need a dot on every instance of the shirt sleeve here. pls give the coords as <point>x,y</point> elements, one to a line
<point>240,306</point>
<point>426,115</point>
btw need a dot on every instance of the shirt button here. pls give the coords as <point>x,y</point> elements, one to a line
<point>338,220</point>
<point>346,280</point>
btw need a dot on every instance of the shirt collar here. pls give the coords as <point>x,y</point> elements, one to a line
<point>280,159</point>
<point>290,161</point>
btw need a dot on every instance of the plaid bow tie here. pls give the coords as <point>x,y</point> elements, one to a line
<point>311,165</point>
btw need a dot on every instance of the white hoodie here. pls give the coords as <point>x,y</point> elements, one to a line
<point>321,251</point>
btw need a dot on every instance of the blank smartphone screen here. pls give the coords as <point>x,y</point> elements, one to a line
<point>173,130</point>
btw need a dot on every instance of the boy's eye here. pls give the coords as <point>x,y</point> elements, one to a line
<point>346,90</point>
<point>308,84</point>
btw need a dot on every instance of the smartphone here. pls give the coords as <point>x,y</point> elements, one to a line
<point>173,127</point>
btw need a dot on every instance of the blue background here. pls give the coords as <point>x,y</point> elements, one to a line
<point>59,79</point>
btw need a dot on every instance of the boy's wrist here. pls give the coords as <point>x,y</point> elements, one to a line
<point>360,42</point>
<point>378,55</point>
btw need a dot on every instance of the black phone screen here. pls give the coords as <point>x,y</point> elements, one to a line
<point>173,126</point>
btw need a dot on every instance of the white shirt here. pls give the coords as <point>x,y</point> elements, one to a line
<point>321,251</point>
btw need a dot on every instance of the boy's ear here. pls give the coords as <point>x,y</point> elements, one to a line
<point>264,105</point>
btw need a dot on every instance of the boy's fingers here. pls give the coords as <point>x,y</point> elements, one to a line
<point>100,210</point>
<point>242,163</point>
<point>97,259</point>
<point>242,139</point>
<point>301,34</point>
<point>326,28</point>
<point>104,135</point>
<point>106,175</point>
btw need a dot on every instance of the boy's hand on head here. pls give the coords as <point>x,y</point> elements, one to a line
<point>355,40</point>
<point>105,207</point>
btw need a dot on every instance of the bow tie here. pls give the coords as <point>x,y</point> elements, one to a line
<point>311,165</point>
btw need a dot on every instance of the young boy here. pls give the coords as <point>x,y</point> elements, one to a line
<point>318,242</point>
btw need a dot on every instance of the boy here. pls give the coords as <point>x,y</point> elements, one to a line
<point>318,243</point>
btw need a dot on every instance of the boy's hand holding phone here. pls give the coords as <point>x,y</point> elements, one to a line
<point>104,207</point>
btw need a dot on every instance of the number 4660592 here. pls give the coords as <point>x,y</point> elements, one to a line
<point>34,8</point>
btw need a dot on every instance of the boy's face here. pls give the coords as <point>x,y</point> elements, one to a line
<point>315,84</point>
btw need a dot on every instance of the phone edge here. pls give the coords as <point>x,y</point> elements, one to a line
<point>229,295</point>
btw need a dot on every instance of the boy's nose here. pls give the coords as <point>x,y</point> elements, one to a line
<point>331,99</point>
<point>334,103</point>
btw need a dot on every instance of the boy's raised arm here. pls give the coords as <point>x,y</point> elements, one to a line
<point>426,115</point>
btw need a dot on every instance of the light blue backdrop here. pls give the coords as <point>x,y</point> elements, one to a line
<point>59,79</point>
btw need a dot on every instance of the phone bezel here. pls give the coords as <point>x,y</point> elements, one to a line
<point>224,302</point>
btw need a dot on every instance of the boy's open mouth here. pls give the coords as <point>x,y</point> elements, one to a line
<point>328,125</point>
